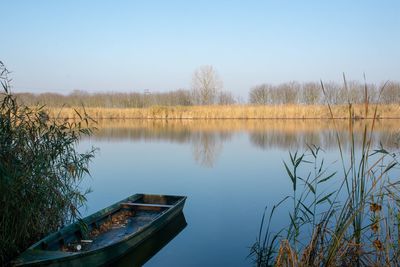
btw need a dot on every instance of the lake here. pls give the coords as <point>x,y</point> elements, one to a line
<point>230,170</point>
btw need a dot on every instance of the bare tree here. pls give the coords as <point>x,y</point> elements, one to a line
<point>354,92</point>
<point>289,92</point>
<point>206,85</point>
<point>311,93</point>
<point>333,93</point>
<point>391,93</point>
<point>226,98</point>
<point>260,94</point>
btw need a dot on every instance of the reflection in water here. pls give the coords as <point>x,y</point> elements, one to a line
<point>157,155</point>
<point>207,136</point>
<point>145,251</point>
<point>206,148</point>
<point>326,137</point>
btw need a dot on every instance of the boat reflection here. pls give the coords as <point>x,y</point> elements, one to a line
<point>145,251</point>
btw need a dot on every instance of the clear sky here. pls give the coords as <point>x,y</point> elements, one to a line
<point>115,45</point>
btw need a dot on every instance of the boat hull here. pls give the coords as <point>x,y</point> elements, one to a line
<point>101,256</point>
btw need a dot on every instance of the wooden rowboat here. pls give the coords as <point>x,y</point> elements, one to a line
<point>105,235</point>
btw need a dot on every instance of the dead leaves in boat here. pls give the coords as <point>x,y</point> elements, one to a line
<point>115,221</point>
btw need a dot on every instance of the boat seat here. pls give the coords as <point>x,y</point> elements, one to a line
<point>147,205</point>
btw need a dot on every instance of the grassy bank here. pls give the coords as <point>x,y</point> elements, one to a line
<point>228,112</point>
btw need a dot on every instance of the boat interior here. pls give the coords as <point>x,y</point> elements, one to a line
<point>110,225</point>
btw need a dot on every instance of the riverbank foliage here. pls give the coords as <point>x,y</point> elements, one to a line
<point>346,217</point>
<point>40,172</point>
<point>229,112</point>
<point>207,100</point>
<point>289,93</point>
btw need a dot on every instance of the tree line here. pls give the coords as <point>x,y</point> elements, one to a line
<point>207,89</point>
<point>311,93</point>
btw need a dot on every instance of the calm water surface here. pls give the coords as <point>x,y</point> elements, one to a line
<point>230,170</point>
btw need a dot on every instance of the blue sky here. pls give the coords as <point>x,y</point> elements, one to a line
<point>60,46</point>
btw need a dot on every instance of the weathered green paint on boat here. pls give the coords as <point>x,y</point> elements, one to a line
<point>47,251</point>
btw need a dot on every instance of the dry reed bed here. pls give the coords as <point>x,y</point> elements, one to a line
<point>227,112</point>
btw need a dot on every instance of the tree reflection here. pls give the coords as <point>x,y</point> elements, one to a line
<point>206,148</point>
<point>270,138</point>
<point>207,136</point>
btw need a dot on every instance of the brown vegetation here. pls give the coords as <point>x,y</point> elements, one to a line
<point>206,100</point>
<point>228,112</point>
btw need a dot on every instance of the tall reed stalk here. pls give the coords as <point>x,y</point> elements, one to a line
<point>40,172</point>
<point>347,218</point>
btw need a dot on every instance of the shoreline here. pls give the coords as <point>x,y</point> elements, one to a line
<point>235,112</point>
